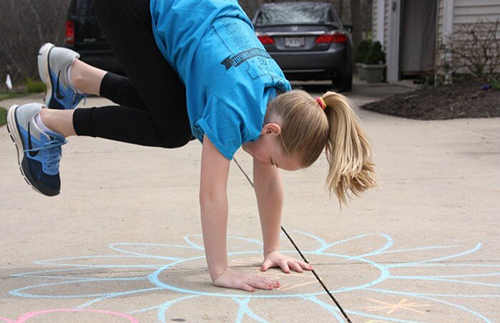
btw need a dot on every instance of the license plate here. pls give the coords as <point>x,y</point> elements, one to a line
<point>294,42</point>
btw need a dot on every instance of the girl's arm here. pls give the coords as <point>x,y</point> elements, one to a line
<point>269,193</point>
<point>213,203</point>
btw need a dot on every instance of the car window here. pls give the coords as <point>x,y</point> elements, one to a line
<point>85,7</point>
<point>295,14</point>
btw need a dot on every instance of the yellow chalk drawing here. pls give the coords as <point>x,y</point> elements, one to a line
<point>401,305</point>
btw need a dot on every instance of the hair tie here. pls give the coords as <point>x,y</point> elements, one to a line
<point>321,102</point>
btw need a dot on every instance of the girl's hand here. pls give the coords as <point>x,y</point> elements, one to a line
<point>245,281</point>
<point>276,258</point>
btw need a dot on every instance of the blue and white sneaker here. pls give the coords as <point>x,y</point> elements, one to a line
<point>38,152</point>
<point>53,64</point>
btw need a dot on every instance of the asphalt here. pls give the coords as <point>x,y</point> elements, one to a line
<point>122,242</point>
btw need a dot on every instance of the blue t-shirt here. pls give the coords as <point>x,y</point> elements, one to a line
<point>228,74</point>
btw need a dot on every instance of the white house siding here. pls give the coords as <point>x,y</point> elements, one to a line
<point>381,9</point>
<point>459,12</point>
<point>440,20</point>
<point>386,24</point>
<point>390,42</point>
<point>378,21</point>
<point>470,11</point>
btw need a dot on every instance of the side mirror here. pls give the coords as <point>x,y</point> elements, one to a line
<point>349,28</point>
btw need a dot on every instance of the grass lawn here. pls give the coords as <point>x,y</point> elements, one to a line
<point>6,96</point>
<point>9,95</point>
<point>3,116</point>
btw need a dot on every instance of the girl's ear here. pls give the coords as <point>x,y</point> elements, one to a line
<point>271,129</point>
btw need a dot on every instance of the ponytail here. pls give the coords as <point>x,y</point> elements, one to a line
<point>309,126</point>
<point>347,150</point>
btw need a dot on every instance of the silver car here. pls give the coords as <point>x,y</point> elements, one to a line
<point>307,40</point>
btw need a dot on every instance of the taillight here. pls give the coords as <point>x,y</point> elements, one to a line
<point>266,40</point>
<point>331,38</point>
<point>70,32</point>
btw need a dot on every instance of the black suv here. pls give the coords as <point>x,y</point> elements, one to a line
<point>84,35</point>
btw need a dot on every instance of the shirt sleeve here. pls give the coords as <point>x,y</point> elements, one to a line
<point>223,125</point>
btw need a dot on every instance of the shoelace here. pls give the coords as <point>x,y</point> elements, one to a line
<point>54,154</point>
<point>78,97</point>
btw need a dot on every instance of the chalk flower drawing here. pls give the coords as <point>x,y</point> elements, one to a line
<point>373,280</point>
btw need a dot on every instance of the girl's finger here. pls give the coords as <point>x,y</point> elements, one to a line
<point>306,266</point>
<point>269,281</point>
<point>263,285</point>
<point>246,287</point>
<point>296,267</point>
<point>284,266</point>
<point>263,280</point>
<point>272,282</point>
<point>266,265</point>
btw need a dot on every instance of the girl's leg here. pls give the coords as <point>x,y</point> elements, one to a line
<point>165,123</point>
<point>127,25</point>
<point>86,78</point>
<point>68,80</point>
<point>92,80</point>
<point>60,121</point>
<point>141,133</point>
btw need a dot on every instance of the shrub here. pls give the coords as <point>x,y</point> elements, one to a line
<point>494,81</point>
<point>34,86</point>
<point>362,50</point>
<point>375,55</point>
<point>3,116</point>
<point>471,52</point>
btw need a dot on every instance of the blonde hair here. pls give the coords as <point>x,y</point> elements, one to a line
<point>307,129</point>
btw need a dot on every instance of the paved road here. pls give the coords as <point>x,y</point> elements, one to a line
<point>122,243</point>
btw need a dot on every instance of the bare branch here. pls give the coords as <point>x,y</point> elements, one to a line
<point>474,49</point>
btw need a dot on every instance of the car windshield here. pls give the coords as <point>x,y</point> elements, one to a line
<point>295,14</point>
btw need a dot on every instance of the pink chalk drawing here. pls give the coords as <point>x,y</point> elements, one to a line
<point>34,315</point>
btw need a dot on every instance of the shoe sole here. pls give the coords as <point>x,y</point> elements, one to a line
<point>14,135</point>
<point>43,69</point>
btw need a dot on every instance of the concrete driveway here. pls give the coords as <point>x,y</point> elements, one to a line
<point>122,242</point>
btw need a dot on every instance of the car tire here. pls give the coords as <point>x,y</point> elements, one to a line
<point>342,83</point>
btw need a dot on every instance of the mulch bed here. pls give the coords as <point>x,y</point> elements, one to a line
<point>451,101</point>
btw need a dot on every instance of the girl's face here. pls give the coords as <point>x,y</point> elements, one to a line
<point>268,151</point>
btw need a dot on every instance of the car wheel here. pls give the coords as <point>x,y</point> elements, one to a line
<point>342,83</point>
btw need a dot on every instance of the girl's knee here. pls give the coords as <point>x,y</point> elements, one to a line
<point>176,140</point>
